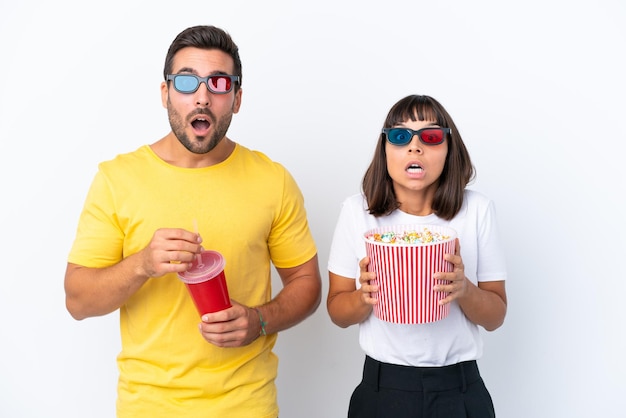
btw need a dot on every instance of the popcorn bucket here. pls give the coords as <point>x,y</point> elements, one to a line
<point>404,258</point>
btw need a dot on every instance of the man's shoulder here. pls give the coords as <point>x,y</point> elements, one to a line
<point>251,156</point>
<point>131,157</point>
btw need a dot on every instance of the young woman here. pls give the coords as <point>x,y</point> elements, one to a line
<point>418,175</point>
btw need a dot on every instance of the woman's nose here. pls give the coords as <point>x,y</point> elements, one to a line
<point>415,145</point>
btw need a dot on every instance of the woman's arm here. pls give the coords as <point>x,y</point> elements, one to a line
<point>346,305</point>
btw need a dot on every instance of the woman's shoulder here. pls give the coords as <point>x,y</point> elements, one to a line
<point>474,196</point>
<point>356,200</point>
<point>478,203</point>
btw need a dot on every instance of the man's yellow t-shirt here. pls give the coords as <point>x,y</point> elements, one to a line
<point>249,209</point>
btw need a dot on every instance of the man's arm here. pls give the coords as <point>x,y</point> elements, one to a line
<point>99,291</point>
<point>299,297</point>
<point>240,325</point>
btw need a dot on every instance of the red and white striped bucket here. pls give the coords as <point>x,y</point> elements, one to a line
<point>404,274</point>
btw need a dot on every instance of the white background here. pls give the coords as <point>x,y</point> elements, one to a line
<point>536,88</point>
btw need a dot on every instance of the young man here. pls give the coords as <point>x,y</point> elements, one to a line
<point>138,229</point>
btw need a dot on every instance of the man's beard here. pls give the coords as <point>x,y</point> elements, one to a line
<point>204,145</point>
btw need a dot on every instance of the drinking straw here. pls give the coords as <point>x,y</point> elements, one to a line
<point>199,256</point>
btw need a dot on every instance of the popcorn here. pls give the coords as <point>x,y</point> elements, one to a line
<point>426,236</point>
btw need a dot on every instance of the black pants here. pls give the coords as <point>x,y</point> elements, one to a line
<point>392,391</point>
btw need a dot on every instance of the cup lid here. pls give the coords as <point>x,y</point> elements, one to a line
<point>212,264</point>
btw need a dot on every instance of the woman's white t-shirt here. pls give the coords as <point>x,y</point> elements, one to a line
<point>450,340</point>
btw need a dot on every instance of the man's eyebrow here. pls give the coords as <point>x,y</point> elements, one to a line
<point>192,71</point>
<point>186,70</point>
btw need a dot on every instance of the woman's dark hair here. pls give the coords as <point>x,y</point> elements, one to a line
<point>458,170</point>
<point>204,37</point>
